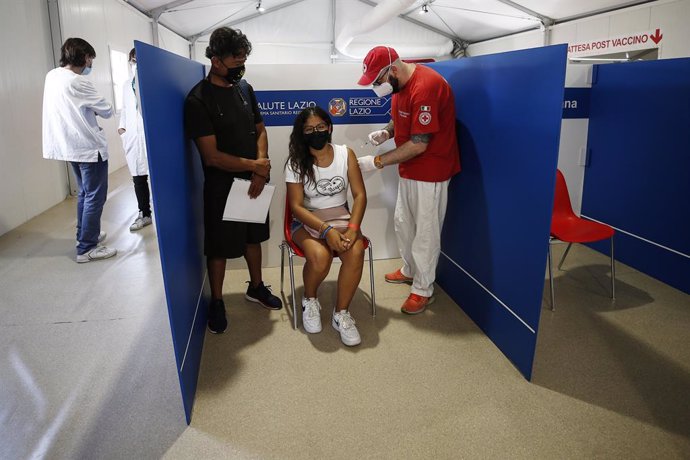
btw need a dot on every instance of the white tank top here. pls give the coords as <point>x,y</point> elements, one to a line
<point>330,189</point>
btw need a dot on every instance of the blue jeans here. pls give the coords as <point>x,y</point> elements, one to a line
<point>92,179</point>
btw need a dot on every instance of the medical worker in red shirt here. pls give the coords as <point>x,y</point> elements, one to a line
<point>427,154</point>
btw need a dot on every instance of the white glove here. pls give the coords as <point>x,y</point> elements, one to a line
<point>366,163</point>
<point>379,137</point>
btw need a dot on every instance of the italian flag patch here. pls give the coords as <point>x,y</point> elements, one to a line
<point>425,108</point>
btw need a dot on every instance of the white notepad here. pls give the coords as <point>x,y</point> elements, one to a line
<point>241,208</point>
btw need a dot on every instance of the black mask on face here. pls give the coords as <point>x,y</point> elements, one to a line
<point>317,140</point>
<point>234,75</point>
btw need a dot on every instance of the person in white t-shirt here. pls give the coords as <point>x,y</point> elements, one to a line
<point>71,133</point>
<point>318,174</point>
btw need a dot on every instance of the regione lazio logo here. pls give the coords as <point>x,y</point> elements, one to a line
<point>337,107</point>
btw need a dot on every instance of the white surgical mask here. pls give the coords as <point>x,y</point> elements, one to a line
<point>133,66</point>
<point>86,71</point>
<point>384,89</point>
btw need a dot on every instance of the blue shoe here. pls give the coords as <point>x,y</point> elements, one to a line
<point>262,294</point>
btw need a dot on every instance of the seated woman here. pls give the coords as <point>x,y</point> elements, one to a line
<point>317,175</point>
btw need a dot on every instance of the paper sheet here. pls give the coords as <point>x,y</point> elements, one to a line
<point>241,208</point>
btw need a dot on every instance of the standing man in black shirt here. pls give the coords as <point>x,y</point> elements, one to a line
<point>223,118</point>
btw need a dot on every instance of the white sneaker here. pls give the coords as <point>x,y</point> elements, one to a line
<point>311,315</point>
<point>97,253</point>
<point>101,237</point>
<point>345,324</point>
<point>140,222</point>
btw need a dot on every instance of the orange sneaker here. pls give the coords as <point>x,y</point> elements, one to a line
<point>397,278</point>
<point>416,304</point>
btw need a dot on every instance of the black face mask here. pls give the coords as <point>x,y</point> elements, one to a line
<point>234,75</point>
<point>317,140</point>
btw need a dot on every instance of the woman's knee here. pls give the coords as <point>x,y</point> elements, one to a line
<point>354,255</point>
<point>320,260</point>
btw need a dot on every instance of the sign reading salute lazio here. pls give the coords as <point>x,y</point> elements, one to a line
<point>346,106</point>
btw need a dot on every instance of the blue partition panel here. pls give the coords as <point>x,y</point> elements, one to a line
<point>176,185</point>
<point>496,233</point>
<point>638,178</point>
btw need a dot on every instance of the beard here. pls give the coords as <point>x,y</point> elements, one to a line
<point>395,83</point>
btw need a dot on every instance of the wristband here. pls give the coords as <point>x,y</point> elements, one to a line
<point>377,162</point>
<point>353,226</point>
<point>323,235</point>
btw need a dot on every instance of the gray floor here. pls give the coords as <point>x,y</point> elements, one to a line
<point>88,368</point>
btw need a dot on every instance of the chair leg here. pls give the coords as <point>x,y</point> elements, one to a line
<point>282,267</point>
<point>371,281</point>
<point>292,288</point>
<point>565,254</point>
<point>613,273</point>
<point>553,300</point>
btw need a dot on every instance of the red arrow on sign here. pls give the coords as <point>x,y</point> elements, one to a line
<point>656,38</point>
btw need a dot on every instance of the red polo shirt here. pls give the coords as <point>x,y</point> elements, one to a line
<point>426,105</point>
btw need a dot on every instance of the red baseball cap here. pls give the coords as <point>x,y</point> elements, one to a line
<point>375,60</point>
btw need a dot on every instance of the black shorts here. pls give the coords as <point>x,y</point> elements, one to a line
<point>222,238</point>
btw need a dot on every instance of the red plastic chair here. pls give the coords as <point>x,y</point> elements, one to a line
<point>294,250</point>
<point>568,227</point>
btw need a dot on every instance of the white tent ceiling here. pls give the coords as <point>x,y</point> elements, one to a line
<point>447,24</point>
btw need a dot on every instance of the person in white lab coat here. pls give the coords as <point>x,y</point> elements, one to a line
<point>131,131</point>
<point>71,133</point>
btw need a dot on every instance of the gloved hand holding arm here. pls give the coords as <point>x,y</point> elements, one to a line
<point>410,149</point>
<point>366,163</point>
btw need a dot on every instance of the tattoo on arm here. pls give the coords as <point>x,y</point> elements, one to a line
<point>389,128</point>
<point>420,138</point>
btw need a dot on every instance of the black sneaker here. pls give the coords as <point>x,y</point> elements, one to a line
<point>217,323</point>
<point>262,294</point>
